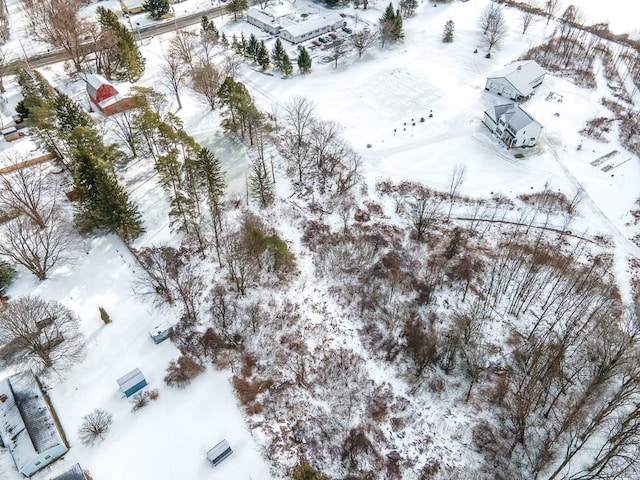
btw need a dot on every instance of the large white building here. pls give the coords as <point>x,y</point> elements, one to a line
<point>263,21</point>
<point>511,124</point>
<point>311,28</point>
<point>517,80</point>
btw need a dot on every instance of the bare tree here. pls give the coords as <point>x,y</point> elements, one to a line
<point>174,73</point>
<point>363,40</point>
<point>551,8</point>
<point>206,79</point>
<point>183,45</point>
<point>456,179</point>
<point>25,192</point>
<point>57,23</point>
<point>494,25</point>
<point>36,248</point>
<point>94,426</point>
<point>424,211</point>
<point>3,68</point>
<point>338,50</point>
<point>41,333</point>
<point>527,17</point>
<point>299,116</point>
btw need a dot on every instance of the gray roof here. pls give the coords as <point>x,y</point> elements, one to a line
<point>313,24</point>
<point>521,74</point>
<point>497,111</point>
<point>93,83</point>
<point>518,119</point>
<point>74,473</point>
<point>261,16</point>
<point>26,424</point>
<point>131,379</point>
<point>218,450</point>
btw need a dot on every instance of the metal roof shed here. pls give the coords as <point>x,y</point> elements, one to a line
<point>132,382</point>
<point>161,332</point>
<point>218,453</point>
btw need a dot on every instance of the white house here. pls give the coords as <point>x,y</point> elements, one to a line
<point>313,27</point>
<point>517,80</point>
<point>27,425</point>
<point>511,124</point>
<point>263,21</point>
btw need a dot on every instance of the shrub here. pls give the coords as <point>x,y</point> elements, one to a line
<point>6,276</point>
<point>180,372</point>
<point>304,471</point>
<point>248,391</point>
<point>95,426</point>
<point>519,155</point>
<point>141,399</point>
<point>104,316</point>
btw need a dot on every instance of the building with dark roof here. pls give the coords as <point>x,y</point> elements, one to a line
<point>27,425</point>
<point>74,473</point>
<point>511,124</point>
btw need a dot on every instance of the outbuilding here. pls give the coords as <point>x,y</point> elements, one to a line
<point>516,81</point>
<point>511,124</point>
<point>74,473</point>
<point>161,332</point>
<point>105,96</point>
<point>132,382</point>
<point>11,133</point>
<point>131,7</point>
<point>311,28</point>
<point>27,424</point>
<point>218,453</point>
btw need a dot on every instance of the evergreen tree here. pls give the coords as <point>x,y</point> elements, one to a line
<point>261,184</point>
<point>224,41</point>
<point>398,30</point>
<point>124,61</point>
<point>104,316</point>
<point>285,65</point>
<point>277,54</point>
<point>390,24</point>
<point>263,56</point>
<point>70,114</point>
<point>208,29</point>
<point>408,7</point>
<point>304,61</point>
<point>447,35</point>
<point>156,8</point>
<point>236,7</point>
<point>211,177</point>
<point>253,47</point>
<point>6,276</point>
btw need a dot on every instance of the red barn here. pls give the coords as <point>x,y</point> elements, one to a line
<point>105,96</point>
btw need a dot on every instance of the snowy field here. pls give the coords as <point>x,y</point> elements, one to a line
<point>372,98</point>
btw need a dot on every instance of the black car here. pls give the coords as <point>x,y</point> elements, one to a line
<point>347,30</point>
<point>322,40</point>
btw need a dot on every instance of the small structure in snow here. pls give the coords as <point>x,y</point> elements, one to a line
<point>105,96</point>
<point>11,133</point>
<point>511,124</point>
<point>27,425</point>
<point>161,332</point>
<point>74,473</point>
<point>131,7</point>
<point>516,81</point>
<point>263,21</point>
<point>132,382</point>
<point>218,453</point>
<point>312,28</point>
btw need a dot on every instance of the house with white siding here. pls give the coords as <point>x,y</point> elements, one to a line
<point>516,81</point>
<point>263,21</point>
<point>313,27</point>
<point>511,124</point>
<point>27,425</point>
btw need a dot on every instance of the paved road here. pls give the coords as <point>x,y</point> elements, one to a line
<point>146,31</point>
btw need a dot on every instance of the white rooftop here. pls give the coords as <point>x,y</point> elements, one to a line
<point>521,74</point>
<point>312,24</point>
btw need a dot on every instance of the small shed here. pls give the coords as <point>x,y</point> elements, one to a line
<point>218,453</point>
<point>161,332</point>
<point>132,382</point>
<point>74,473</point>
<point>11,133</point>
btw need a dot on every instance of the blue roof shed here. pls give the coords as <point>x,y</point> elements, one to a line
<point>218,453</point>
<point>132,382</point>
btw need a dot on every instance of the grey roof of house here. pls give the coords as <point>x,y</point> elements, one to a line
<point>131,379</point>
<point>518,119</point>
<point>497,111</point>
<point>312,24</point>
<point>93,83</point>
<point>521,74</point>
<point>74,473</point>
<point>26,424</point>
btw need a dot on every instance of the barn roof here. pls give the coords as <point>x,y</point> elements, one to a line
<point>94,82</point>
<point>521,74</point>
<point>26,424</point>
<point>312,24</point>
<point>74,473</point>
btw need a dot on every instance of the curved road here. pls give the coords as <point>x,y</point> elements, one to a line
<point>146,31</point>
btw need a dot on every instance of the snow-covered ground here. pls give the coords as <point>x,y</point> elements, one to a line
<point>372,98</point>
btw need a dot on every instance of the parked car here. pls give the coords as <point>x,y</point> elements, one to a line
<point>323,40</point>
<point>347,30</point>
<point>333,36</point>
<point>316,43</point>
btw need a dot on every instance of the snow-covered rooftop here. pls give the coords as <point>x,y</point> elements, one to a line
<point>521,74</point>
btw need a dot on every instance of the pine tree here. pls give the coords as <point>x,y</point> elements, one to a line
<point>285,65</point>
<point>253,47</point>
<point>397,30</point>
<point>124,61</point>
<point>156,8</point>
<point>6,276</point>
<point>261,184</point>
<point>447,35</point>
<point>263,56</point>
<point>208,29</point>
<point>104,316</point>
<point>70,114</point>
<point>224,41</point>
<point>211,177</point>
<point>277,54</point>
<point>304,60</point>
